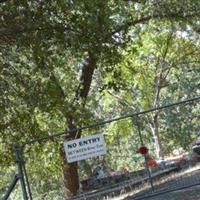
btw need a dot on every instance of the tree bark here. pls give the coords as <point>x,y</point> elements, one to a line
<point>70,170</point>
<point>155,132</point>
<point>70,175</point>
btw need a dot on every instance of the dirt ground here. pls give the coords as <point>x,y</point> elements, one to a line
<point>186,194</point>
<point>181,184</point>
<point>186,179</point>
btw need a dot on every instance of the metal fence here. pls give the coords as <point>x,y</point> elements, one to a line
<point>125,171</point>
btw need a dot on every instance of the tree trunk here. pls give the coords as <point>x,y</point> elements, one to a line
<point>156,136</point>
<point>71,178</point>
<point>70,170</point>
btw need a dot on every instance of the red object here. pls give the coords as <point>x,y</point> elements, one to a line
<point>125,170</point>
<point>152,163</point>
<point>143,150</point>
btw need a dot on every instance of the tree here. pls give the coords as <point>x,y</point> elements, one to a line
<point>148,71</point>
<point>44,53</point>
<point>41,41</point>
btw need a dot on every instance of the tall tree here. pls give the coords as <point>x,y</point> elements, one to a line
<point>148,71</point>
<point>45,43</point>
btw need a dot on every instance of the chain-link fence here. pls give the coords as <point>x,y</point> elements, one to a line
<point>169,163</point>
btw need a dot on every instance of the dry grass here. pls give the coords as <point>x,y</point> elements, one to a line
<point>161,183</point>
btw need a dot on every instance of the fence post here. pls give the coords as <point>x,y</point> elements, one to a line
<point>20,164</point>
<point>27,182</point>
<point>137,122</point>
<point>11,188</point>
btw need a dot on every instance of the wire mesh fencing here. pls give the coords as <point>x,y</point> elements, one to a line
<point>168,164</point>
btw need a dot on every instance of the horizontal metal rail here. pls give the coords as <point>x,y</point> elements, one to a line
<point>67,132</point>
<point>117,187</point>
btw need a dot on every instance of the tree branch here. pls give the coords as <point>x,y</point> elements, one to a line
<point>145,19</point>
<point>88,68</point>
<point>3,1</point>
<point>122,101</point>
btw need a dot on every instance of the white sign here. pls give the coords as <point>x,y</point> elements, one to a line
<point>83,148</point>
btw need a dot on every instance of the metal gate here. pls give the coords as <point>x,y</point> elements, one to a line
<point>146,183</point>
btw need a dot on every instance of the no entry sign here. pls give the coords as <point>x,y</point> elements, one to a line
<point>83,148</point>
